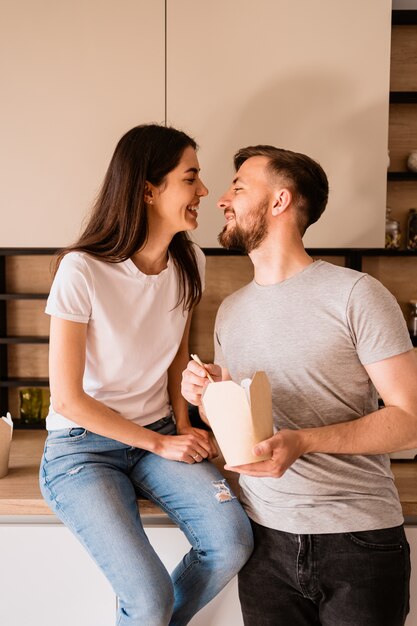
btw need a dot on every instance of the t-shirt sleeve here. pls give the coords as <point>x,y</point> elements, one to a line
<point>201,264</point>
<point>376,322</point>
<point>71,293</point>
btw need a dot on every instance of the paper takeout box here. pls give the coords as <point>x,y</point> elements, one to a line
<point>6,432</point>
<point>240,418</point>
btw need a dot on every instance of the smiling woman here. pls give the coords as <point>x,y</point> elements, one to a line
<point>175,202</point>
<point>140,212</point>
<point>120,308</point>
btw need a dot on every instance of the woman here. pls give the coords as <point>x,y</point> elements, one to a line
<point>120,308</point>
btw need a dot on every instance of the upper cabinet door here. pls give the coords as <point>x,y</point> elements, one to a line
<point>75,77</point>
<point>311,76</point>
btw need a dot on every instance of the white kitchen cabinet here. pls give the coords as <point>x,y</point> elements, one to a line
<point>48,579</point>
<point>311,76</point>
<point>75,77</point>
<point>411,532</point>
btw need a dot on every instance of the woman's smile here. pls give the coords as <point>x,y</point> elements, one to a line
<point>193,209</point>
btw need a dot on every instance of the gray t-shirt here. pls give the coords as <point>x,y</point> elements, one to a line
<point>312,334</point>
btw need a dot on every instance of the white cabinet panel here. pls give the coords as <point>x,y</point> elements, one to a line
<point>75,77</point>
<point>48,579</point>
<point>311,76</point>
<point>411,532</point>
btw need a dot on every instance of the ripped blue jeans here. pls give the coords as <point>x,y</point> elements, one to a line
<point>92,484</point>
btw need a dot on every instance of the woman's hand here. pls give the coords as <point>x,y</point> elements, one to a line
<point>188,448</point>
<point>206,439</point>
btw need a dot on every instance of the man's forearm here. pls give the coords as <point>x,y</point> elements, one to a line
<point>387,430</point>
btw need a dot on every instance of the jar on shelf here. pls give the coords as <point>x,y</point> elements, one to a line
<point>412,229</point>
<point>30,405</point>
<point>412,161</point>
<point>412,320</point>
<point>392,232</point>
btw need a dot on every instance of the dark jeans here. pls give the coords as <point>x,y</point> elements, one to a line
<point>343,579</point>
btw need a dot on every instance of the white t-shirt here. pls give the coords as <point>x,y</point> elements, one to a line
<point>134,332</point>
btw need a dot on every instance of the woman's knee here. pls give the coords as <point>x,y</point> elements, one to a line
<point>232,543</point>
<point>153,608</point>
<point>239,546</point>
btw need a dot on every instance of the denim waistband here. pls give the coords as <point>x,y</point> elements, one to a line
<point>78,433</point>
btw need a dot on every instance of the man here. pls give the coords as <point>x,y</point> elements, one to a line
<point>330,547</point>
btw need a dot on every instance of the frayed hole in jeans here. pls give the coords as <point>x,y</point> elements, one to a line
<point>75,470</point>
<point>223,493</point>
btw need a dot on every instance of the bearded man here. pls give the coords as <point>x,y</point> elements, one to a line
<point>330,548</point>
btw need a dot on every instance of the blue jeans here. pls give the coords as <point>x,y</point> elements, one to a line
<point>92,484</point>
<point>341,579</point>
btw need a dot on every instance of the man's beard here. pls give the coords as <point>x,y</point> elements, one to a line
<point>250,236</point>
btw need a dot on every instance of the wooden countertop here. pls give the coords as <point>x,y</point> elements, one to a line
<point>20,494</point>
<point>19,490</point>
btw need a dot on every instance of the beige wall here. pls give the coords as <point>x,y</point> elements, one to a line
<point>311,75</point>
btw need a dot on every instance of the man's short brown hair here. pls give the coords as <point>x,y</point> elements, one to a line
<point>305,178</point>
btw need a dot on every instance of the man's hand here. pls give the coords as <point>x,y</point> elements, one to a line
<point>285,447</point>
<point>194,380</point>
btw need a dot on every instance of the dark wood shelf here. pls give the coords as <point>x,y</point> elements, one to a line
<point>27,251</point>
<point>19,425</point>
<point>353,259</point>
<point>391,252</point>
<point>325,251</point>
<point>24,382</point>
<point>221,251</point>
<point>353,256</point>
<point>23,339</point>
<point>7,382</point>
<point>403,97</point>
<point>23,296</point>
<point>402,176</point>
<point>406,17</point>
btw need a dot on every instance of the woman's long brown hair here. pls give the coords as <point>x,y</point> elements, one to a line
<point>118,224</point>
